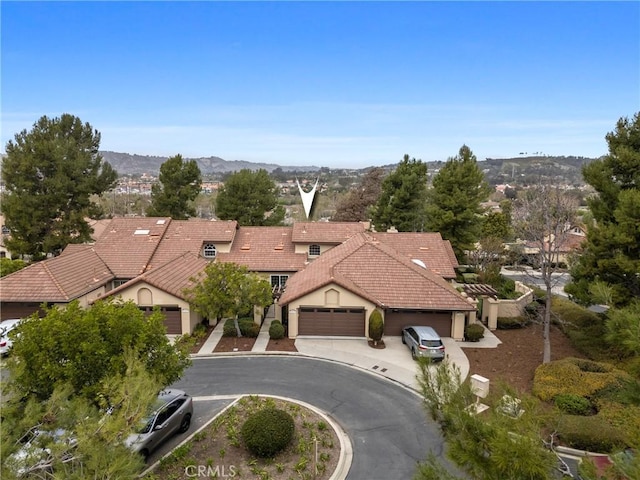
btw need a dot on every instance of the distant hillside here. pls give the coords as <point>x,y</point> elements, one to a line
<point>128,164</point>
<point>531,170</point>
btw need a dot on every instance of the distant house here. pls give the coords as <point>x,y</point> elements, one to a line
<point>327,277</point>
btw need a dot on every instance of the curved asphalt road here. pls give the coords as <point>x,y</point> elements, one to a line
<point>386,422</point>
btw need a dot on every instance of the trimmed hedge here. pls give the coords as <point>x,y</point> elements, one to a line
<point>575,376</point>
<point>267,432</point>
<point>376,325</point>
<point>593,434</point>
<point>511,323</point>
<point>276,330</point>
<point>473,332</point>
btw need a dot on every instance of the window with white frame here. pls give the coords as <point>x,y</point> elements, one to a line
<point>209,250</point>
<point>314,250</point>
<point>279,280</point>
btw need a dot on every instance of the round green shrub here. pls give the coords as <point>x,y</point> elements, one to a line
<point>276,330</point>
<point>573,404</point>
<point>474,332</point>
<point>376,325</point>
<point>267,432</point>
<point>229,329</point>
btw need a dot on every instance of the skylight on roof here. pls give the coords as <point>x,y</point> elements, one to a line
<point>141,231</point>
<point>161,221</point>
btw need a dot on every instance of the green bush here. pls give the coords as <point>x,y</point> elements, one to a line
<point>470,277</point>
<point>474,332</point>
<point>510,323</point>
<point>276,330</point>
<point>376,326</point>
<point>573,404</point>
<point>248,328</point>
<point>575,376</point>
<point>267,432</point>
<point>593,434</point>
<point>229,329</point>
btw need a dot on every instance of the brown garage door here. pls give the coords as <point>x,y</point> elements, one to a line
<point>396,320</point>
<point>172,318</point>
<point>348,322</point>
<point>19,310</point>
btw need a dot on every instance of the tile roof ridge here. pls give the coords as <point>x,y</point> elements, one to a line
<point>53,278</point>
<point>166,224</point>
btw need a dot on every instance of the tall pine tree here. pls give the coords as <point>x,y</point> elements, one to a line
<point>453,202</point>
<point>50,174</point>
<point>611,255</point>
<point>180,182</point>
<point>401,203</point>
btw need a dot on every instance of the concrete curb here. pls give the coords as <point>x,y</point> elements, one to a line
<point>346,448</point>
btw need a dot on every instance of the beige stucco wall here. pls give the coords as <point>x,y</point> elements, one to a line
<point>457,328</point>
<point>503,308</point>
<point>338,298</point>
<point>86,299</point>
<point>189,318</point>
<point>222,247</point>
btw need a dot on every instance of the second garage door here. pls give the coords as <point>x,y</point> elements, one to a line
<point>396,320</point>
<point>348,322</point>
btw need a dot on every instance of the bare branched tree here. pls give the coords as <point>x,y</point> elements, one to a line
<point>543,217</point>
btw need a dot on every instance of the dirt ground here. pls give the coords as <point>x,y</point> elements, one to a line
<point>516,359</point>
<point>235,344</point>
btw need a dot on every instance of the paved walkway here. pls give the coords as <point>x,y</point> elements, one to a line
<point>393,362</point>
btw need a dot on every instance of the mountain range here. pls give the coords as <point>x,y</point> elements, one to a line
<point>133,164</point>
<point>517,170</point>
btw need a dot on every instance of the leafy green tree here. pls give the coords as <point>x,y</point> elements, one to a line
<point>355,206</point>
<point>50,174</point>
<point>488,446</point>
<point>8,266</point>
<point>612,251</point>
<point>453,202</point>
<point>543,216</point>
<point>83,347</point>
<point>180,182</point>
<point>401,203</point>
<point>228,290</point>
<point>97,450</point>
<point>250,198</point>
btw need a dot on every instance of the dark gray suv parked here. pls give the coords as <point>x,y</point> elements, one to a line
<point>171,414</point>
<point>423,342</point>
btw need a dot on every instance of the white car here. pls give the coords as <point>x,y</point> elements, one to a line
<point>34,458</point>
<point>5,327</point>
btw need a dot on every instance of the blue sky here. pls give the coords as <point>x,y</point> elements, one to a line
<point>331,84</point>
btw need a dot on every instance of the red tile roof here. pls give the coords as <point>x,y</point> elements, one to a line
<point>189,236</point>
<point>265,249</point>
<point>172,277</point>
<point>325,232</point>
<point>428,247</point>
<point>374,271</point>
<point>59,279</point>
<point>127,244</point>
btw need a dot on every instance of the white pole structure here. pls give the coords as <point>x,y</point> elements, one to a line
<point>307,197</point>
